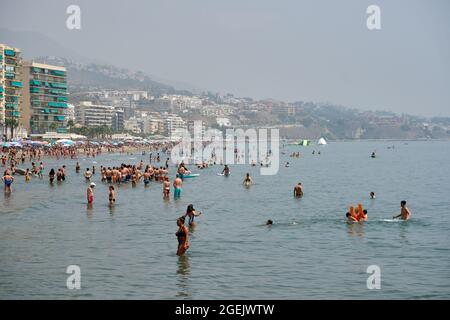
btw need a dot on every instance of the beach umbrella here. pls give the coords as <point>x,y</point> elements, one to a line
<point>64,141</point>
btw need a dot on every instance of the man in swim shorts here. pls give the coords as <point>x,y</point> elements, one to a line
<point>177,183</point>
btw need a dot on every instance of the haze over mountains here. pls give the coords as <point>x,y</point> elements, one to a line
<point>313,119</point>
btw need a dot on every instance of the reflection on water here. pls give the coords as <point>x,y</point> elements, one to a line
<point>112,209</point>
<point>183,273</point>
<point>355,229</point>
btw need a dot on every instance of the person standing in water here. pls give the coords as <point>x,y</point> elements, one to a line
<point>7,180</point>
<point>87,175</point>
<point>182,236</point>
<point>112,196</point>
<point>405,214</point>
<point>166,187</point>
<point>177,183</point>
<point>191,213</point>
<point>226,171</point>
<point>90,193</point>
<point>247,180</point>
<point>77,167</point>
<point>51,175</point>
<point>298,190</point>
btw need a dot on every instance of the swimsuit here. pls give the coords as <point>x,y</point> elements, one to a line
<point>177,192</point>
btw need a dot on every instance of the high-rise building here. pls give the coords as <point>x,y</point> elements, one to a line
<point>92,115</point>
<point>10,90</point>
<point>45,98</point>
<point>118,120</point>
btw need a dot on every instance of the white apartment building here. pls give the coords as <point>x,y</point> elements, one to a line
<point>174,125</point>
<point>91,115</point>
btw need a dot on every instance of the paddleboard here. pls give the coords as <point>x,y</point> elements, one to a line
<point>192,175</point>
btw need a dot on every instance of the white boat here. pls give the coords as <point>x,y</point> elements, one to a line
<point>321,142</point>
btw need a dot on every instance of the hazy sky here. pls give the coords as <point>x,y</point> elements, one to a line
<point>288,50</point>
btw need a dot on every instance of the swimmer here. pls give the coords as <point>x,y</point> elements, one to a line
<point>405,214</point>
<point>298,190</point>
<point>372,195</point>
<point>182,236</point>
<point>177,183</point>
<point>247,180</point>
<point>364,217</point>
<point>287,165</point>
<point>90,193</point>
<point>112,195</point>
<point>269,222</point>
<point>87,175</point>
<point>191,213</point>
<point>350,218</point>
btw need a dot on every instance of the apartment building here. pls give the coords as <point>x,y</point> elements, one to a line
<point>10,90</point>
<point>45,98</point>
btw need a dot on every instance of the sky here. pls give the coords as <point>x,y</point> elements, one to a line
<point>311,50</point>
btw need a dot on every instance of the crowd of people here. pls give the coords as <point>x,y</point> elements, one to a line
<point>134,174</point>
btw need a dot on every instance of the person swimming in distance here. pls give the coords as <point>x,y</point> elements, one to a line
<point>247,180</point>
<point>183,236</point>
<point>287,165</point>
<point>298,190</point>
<point>364,216</point>
<point>405,214</point>
<point>269,222</point>
<point>87,175</point>
<point>372,195</point>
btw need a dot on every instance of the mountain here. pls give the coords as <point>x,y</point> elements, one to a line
<point>93,76</point>
<point>83,73</point>
<point>34,44</point>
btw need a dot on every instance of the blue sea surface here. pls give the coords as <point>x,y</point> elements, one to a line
<point>309,253</point>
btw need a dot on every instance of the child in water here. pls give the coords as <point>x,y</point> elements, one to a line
<point>112,196</point>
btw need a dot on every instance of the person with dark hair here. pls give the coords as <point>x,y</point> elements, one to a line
<point>182,236</point>
<point>51,175</point>
<point>269,222</point>
<point>364,216</point>
<point>405,214</point>
<point>298,190</point>
<point>247,180</point>
<point>350,218</point>
<point>191,213</point>
<point>372,195</point>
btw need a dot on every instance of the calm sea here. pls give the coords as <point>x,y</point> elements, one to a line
<point>309,253</point>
